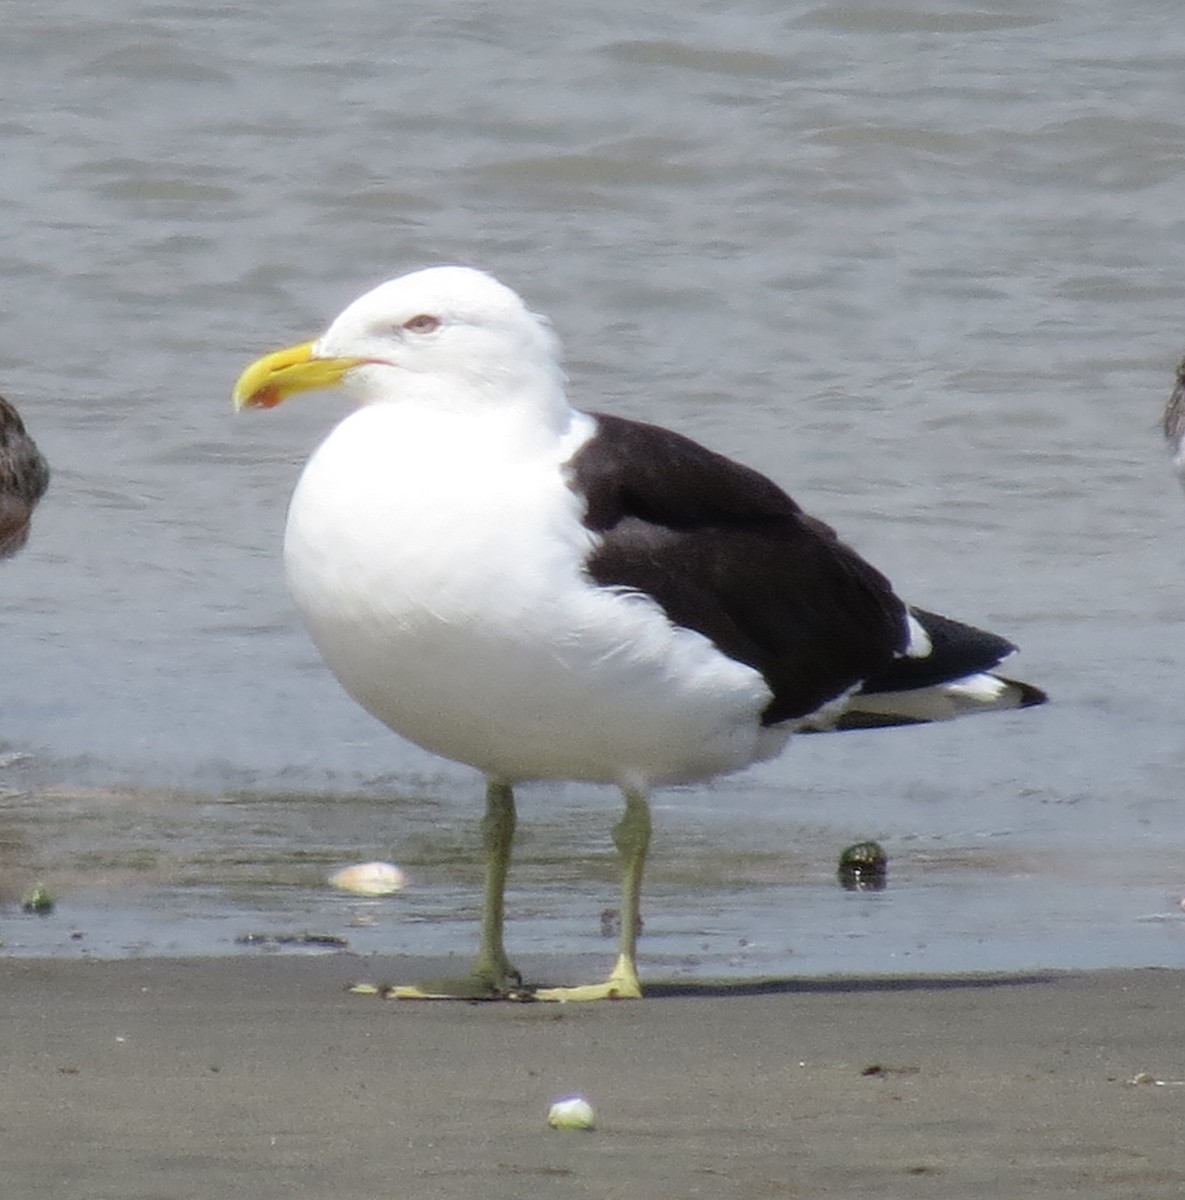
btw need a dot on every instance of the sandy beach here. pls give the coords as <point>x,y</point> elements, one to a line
<point>263,1078</point>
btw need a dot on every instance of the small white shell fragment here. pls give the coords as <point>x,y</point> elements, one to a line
<point>573,1113</point>
<point>369,879</point>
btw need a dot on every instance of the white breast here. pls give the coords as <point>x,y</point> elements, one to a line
<point>438,563</point>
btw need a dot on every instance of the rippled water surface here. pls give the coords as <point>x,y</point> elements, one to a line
<point>922,263</point>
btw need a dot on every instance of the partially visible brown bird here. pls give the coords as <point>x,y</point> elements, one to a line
<point>24,476</point>
<point>1174,422</point>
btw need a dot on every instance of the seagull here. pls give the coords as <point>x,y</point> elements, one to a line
<point>24,476</point>
<point>545,593</point>
<point>1174,422</point>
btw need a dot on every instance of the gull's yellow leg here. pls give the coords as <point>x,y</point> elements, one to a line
<point>497,834</point>
<point>493,976</point>
<point>631,835</point>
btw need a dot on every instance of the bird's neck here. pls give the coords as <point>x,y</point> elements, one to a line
<point>532,416</point>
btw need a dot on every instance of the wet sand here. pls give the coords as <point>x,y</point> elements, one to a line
<point>262,1078</point>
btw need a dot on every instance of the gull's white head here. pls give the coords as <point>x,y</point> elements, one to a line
<point>452,335</point>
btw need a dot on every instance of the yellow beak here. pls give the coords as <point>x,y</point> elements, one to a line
<point>275,377</point>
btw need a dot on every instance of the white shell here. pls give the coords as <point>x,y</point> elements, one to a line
<point>369,879</point>
<point>572,1113</point>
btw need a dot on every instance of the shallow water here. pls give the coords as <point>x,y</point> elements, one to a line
<point>921,264</point>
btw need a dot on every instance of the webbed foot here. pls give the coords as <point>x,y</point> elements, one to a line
<point>475,986</point>
<point>622,984</point>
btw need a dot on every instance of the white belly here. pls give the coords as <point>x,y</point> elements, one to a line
<point>439,575</point>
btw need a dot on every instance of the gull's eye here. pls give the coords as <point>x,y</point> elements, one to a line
<point>424,323</point>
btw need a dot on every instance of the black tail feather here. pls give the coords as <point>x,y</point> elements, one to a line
<point>957,650</point>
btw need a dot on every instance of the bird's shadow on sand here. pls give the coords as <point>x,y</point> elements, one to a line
<point>776,986</point>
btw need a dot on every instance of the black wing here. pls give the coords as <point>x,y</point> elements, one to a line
<point>956,650</point>
<point>727,553</point>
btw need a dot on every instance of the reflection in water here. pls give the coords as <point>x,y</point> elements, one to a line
<point>169,873</point>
